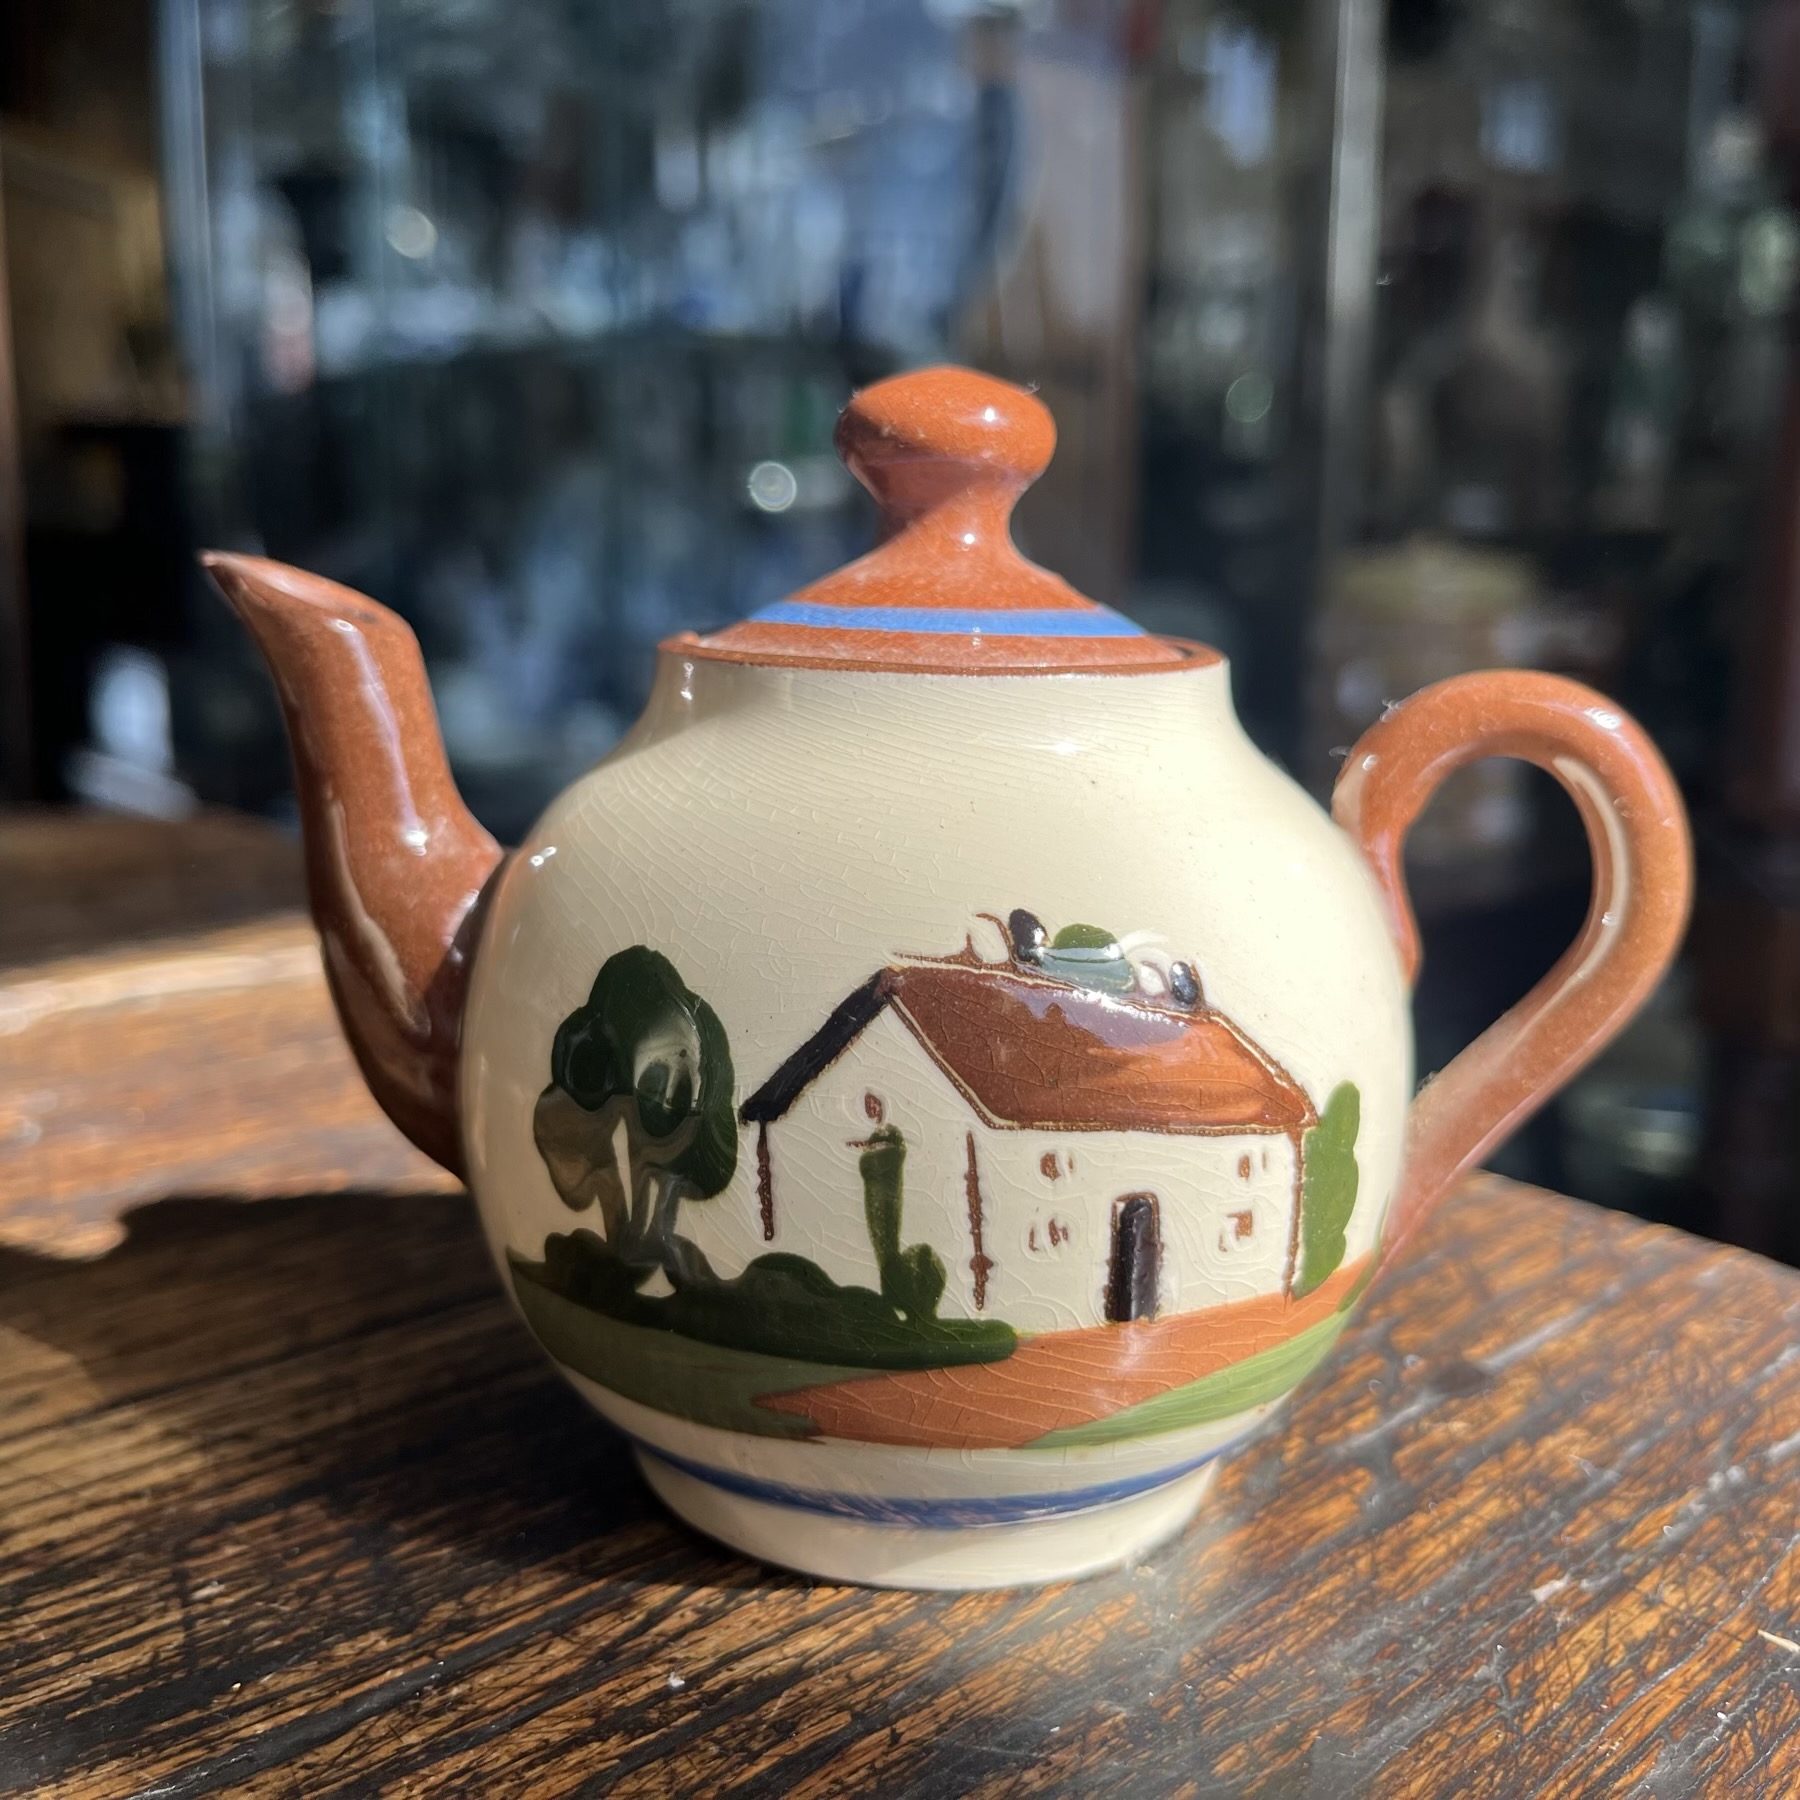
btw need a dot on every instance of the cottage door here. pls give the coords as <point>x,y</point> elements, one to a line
<point>1136,1258</point>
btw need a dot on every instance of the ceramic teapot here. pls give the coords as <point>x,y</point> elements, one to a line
<point>935,1086</point>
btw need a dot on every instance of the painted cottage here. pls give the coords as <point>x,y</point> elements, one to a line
<point>1083,1140</point>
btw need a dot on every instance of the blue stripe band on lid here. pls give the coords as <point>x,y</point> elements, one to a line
<point>1045,622</point>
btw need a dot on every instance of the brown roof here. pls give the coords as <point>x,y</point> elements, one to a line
<point>1031,1053</point>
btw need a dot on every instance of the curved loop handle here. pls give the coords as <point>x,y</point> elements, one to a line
<point>1643,882</point>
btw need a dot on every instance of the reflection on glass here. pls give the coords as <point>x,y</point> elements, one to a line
<point>534,320</point>
<point>1584,269</point>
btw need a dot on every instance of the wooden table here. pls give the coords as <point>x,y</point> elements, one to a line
<point>165,1030</point>
<point>293,1508</point>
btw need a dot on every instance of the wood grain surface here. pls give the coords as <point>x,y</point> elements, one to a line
<point>291,1507</point>
<point>165,1030</point>
<point>72,882</point>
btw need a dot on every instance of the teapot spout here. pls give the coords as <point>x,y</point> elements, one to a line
<point>396,865</point>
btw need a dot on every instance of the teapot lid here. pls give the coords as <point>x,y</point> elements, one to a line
<point>946,453</point>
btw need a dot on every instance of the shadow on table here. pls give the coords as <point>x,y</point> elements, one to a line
<point>277,1473</point>
<point>300,1459</point>
<point>294,1372</point>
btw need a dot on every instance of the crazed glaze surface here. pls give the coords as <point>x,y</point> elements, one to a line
<point>782,836</point>
<point>934,1116</point>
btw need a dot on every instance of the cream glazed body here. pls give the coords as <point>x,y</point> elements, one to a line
<point>936,1087</point>
<point>780,836</point>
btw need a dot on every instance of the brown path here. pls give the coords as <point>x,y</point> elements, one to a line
<point>1060,1379</point>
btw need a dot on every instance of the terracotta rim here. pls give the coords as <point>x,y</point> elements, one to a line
<point>1187,654</point>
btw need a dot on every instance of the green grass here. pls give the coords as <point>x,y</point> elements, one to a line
<point>706,1383</point>
<point>1256,1380</point>
<point>720,1384</point>
<point>780,1306</point>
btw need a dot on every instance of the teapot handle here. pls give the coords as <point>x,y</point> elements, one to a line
<point>1643,881</point>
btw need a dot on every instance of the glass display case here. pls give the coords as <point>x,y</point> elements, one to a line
<point>1573,391</point>
<point>534,320</point>
<point>1576,368</point>
<point>1383,344</point>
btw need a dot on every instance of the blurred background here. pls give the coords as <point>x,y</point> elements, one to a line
<point>1384,343</point>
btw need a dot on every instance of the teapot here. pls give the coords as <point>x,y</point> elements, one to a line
<point>935,1086</point>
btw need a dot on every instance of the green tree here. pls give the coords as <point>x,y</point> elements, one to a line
<point>638,1114</point>
<point>912,1280</point>
<point>1328,1186</point>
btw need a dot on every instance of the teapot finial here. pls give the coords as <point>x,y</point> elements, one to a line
<point>942,436</point>
<point>945,452</point>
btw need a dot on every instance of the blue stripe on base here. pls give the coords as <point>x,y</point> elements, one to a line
<point>933,1515</point>
<point>1049,622</point>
